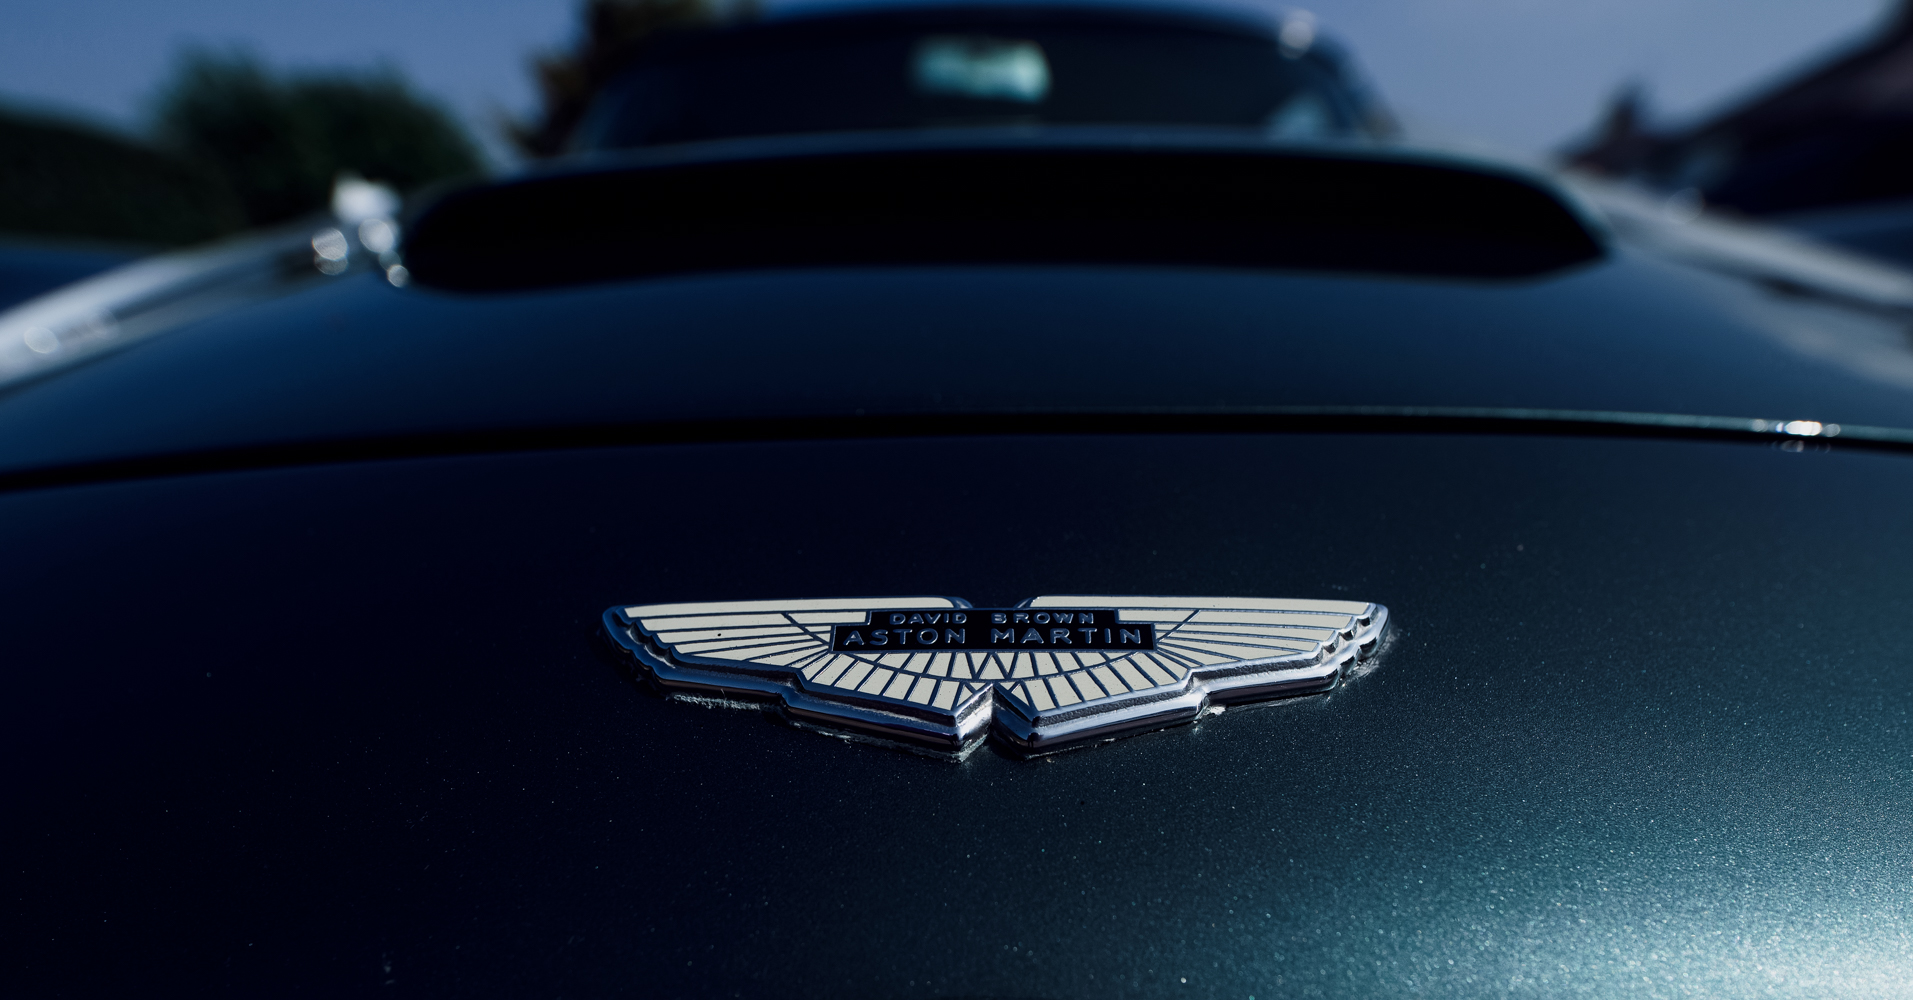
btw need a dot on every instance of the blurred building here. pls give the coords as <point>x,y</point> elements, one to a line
<point>1828,151</point>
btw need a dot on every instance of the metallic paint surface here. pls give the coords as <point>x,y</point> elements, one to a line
<point>359,358</point>
<point>1647,732</point>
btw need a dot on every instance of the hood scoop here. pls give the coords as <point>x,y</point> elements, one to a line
<point>1250,208</point>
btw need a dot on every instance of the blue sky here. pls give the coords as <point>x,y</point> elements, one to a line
<point>1519,75</point>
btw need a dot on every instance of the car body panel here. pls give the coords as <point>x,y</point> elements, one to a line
<point>308,689</point>
<point>1641,727</point>
<point>358,358</point>
<point>29,269</point>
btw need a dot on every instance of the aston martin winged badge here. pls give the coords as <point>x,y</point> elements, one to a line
<point>1050,673</point>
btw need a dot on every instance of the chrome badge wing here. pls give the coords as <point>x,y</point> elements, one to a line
<point>1052,672</point>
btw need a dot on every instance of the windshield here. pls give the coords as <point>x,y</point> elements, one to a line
<point>971,68</point>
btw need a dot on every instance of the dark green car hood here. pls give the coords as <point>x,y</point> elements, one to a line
<point>307,691</point>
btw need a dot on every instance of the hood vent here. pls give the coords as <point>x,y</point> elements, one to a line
<point>1205,208</point>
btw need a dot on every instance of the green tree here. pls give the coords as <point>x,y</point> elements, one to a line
<point>280,141</point>
<point>64,179</point>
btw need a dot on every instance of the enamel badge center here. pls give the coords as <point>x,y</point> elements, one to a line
<point>1050,673</point>
<point>1011,629</point>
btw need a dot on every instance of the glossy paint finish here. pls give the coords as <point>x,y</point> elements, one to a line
<point>1644,728</point>
<point>358,359</point>
<point>28,269</point>
<point>339,717</point>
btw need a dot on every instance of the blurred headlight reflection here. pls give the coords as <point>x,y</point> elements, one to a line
<point>41,340</point>
<point>378,235</point>
<point>329,250</point>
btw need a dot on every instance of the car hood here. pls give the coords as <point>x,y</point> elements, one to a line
<point>1640,726</point>
<point>308,690</point>
<point>359,359</point>
<point>1699,321</point>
